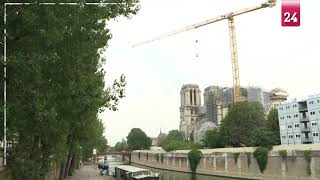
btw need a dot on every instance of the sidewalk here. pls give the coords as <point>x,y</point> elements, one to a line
<point>89,173</point>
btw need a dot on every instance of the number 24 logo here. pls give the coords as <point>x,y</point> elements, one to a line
<point>290,18</point>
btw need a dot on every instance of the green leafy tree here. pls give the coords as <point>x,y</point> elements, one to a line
<point>241,121</point>
<point>121,146</point>
<point>138,140</point>
<point>213,139</point>
<point>173,135</point>
<point>262,137</point>
<point>55,83</point>
<point>273,125</point>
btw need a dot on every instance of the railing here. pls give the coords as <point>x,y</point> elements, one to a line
<point>306,140</point>
<point>304,119</point>
<point>303,108</point>
<point>306,129</point>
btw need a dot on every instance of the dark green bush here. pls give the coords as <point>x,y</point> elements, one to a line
<point>307,156</point>
<point>248,154</point>
<point>161,158</point>
<point>283,154</point>
<point>236,156</point>
<point>261,155</point>
<point>194,157</point>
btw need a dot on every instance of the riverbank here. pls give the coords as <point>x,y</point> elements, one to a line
<point>239,163</point>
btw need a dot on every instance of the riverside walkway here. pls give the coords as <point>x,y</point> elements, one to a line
<point>89,173</point>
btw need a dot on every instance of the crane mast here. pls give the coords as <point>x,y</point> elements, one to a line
<point>232,34</point>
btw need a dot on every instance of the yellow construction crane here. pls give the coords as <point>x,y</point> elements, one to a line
<point>232,33</point>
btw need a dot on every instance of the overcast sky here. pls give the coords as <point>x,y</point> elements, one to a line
<point>269,56</point>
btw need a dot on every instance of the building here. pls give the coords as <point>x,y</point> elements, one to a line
<point>277,97</point>
<point>196,119</point>
<point>299,121</point>
<point>218,99</point>
<point>190,108</point>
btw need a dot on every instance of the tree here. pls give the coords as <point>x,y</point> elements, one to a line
<point>273,125</point>
<point>121,146</point>
<point>213,139</point>
<point>242,119</point>
<point>138,140</point>
<point>56,83</point>
<point>262,137</point>
<point>174,135</point>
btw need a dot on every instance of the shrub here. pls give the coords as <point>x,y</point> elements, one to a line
<point>236,156</point>
<point>194,157</point>
<point>248,154</point>
<point>283,154</point>
<point>307,157</point>
<point>157,156</point>
<point>161,158</point>
<point>261,155</point>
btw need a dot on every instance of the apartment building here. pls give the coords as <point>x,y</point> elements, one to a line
<point>299,121</point>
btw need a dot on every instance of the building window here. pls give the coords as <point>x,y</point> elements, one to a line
<point>283,137</point>
<point>290,136</point>
<point>296,115</point>
<point>289,117</point>
<point>315,134</point>
<point>281,108</point>
<point>296,125</point>
<point>318,101</point>
<point>282,118</point>
<point>310,102</point>
<point>287,107</point>
<point>312,113</point>
<point>294,105</point>
<point>297,135</point>
<point>314,124</point>
<point>289,126</point>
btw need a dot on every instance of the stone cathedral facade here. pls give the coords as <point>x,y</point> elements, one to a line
<point>192,113</point>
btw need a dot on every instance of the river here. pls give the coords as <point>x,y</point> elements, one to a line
<point>172,175</point>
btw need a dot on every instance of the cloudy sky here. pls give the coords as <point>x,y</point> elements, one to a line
<point>269,56</point>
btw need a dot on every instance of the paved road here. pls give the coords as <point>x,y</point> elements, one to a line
<point>89,173</point>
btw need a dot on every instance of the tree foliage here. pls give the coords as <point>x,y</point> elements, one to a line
<point>121,146</point>
<point>261,155</point>
<point>175,141</point>
<point>194,157</point>
<point>55,83</point>
<point>138,140</point>
<point>273,125</point>
<point>241,121</point>
<point>213,139</point>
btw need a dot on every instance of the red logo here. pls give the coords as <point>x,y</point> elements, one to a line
<point>290,13</point>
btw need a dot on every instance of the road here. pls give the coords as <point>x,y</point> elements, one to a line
<point>89,173</point>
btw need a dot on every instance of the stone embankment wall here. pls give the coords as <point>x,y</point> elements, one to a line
<point>222,162</point>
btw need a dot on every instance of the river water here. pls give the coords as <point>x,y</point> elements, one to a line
<point>172,175</point>
<point>114,161</point>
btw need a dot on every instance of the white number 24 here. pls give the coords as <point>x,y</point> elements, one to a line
<point>290,18</point>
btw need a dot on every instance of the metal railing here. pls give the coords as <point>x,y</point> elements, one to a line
<point>305,129</point>
<point>306,140</point>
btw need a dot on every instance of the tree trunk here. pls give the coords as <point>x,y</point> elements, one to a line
<point>72,165</point>
<point>67,165</point>
<point>62,170</point>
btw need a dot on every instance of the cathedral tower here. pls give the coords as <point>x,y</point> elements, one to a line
<point>190,96</point>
